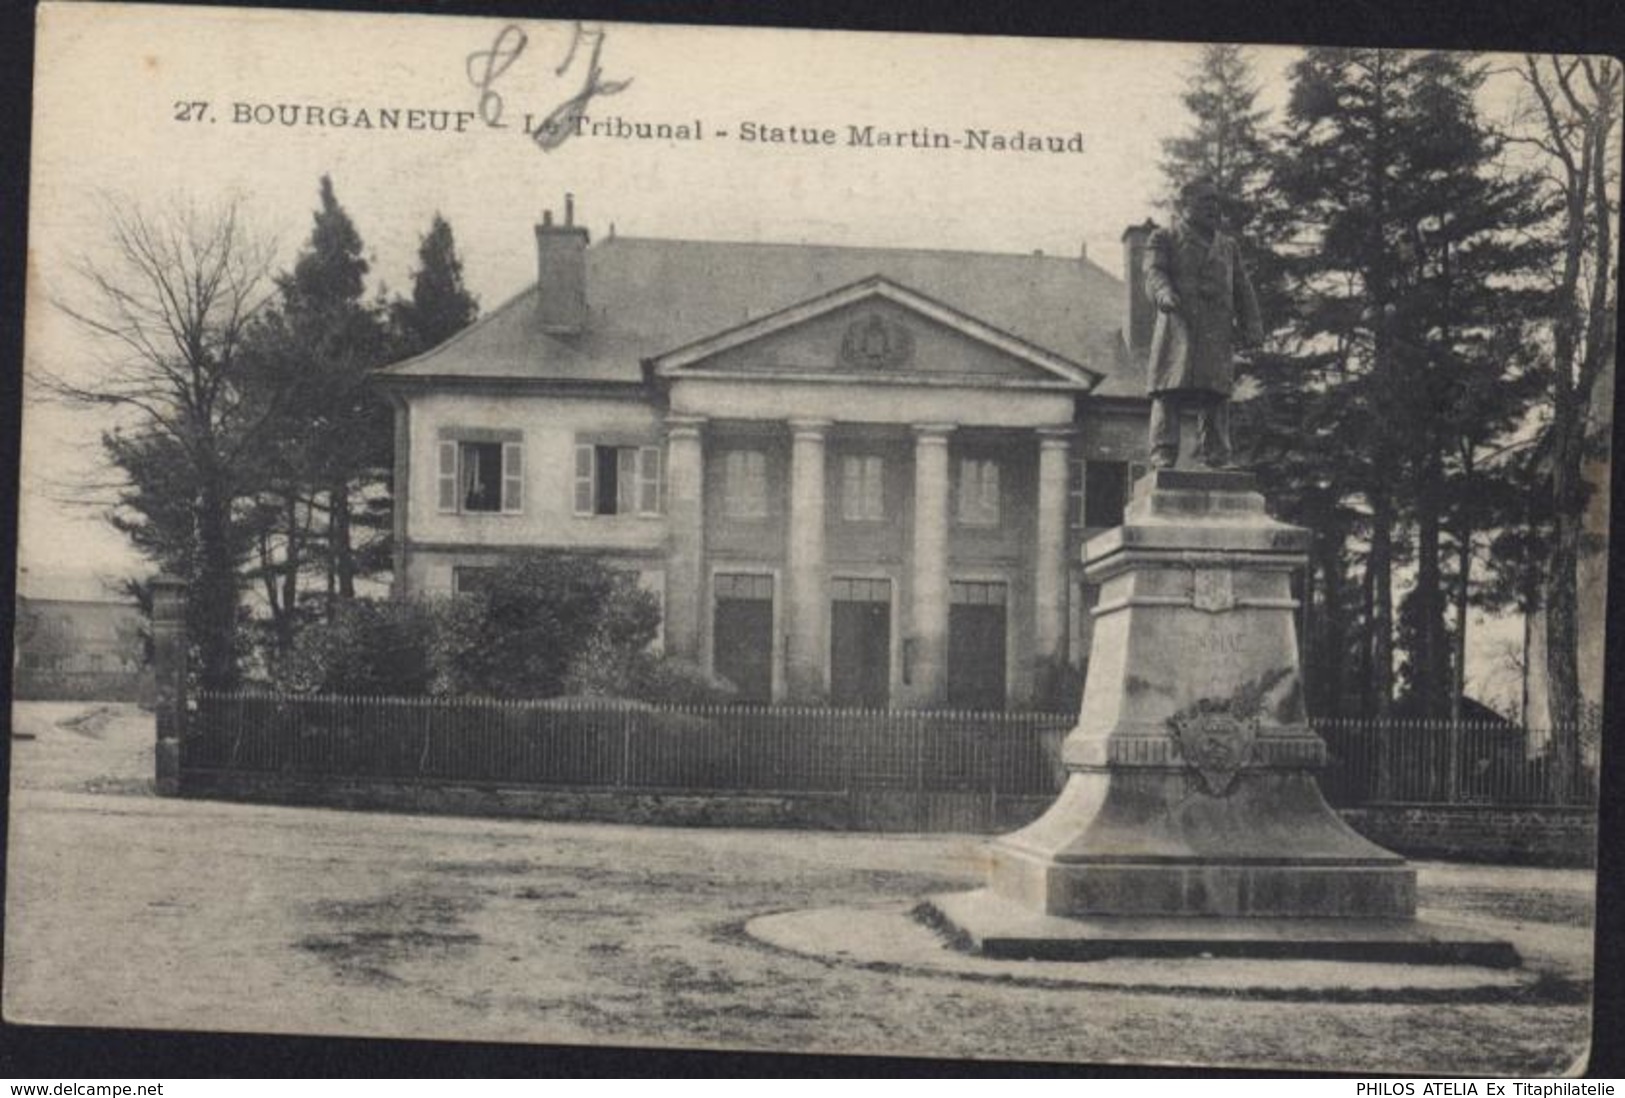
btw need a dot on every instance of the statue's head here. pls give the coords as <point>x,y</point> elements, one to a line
<point>1201,204</point>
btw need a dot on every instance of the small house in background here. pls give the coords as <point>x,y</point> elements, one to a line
<point>855,476</point>
<point>77,638</point>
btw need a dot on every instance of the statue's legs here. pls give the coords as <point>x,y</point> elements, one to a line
<point>1213,432</point>
<point>1165,408</point>
<point>1212,427</point>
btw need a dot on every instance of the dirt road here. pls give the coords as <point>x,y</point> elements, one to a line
<point>130,910</point>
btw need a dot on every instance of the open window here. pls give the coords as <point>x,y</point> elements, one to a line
<point>1100,491</point>
<point>481,475</point>
<point>617,480</point>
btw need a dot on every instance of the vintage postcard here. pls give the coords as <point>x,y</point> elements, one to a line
<point>589,533</point>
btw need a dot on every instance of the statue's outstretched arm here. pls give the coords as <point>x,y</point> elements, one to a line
<point>1159,281</point>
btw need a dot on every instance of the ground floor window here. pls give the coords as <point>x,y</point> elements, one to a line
<point>860,643</point>
<point>469,579</point>
<point>977,630</point>
<point>742,633</point>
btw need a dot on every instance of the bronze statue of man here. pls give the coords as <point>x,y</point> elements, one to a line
<point>1206,307</point>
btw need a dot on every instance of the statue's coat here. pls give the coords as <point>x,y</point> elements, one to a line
<point>1193,347</point>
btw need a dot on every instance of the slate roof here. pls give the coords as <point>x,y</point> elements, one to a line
<point>648,296</point>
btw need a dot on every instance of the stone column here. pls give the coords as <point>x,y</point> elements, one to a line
<point>807,587</point>
<point>928,617</point>
<point>401,494</point>
<point>685,559</point>
<point>169,673</point>
<point>1050,555</point>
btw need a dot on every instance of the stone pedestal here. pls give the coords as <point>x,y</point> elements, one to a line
<point>1191,792</point>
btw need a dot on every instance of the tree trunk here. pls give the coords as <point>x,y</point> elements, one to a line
<point>1432,678</point>
<point>1562,604</point>
<point>1333,644</point>
<point>216,604</point>
<point>1368,663</point>
<point>343,551</point>
<point>1382,607</point>
<point>1464,573</point>
<point>268,577</point>
<point>293,550</point>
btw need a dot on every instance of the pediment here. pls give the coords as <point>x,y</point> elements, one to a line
<point>875,331</point>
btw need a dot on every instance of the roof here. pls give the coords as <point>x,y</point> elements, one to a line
<point>1055,369</point>
<point>649,296</point>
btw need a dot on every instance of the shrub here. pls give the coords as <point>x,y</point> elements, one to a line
<point>535,616</point>
<point>606,671</point>
<point>368,647</point>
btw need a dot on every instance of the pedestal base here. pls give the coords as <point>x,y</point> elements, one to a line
<point>995,927</point>
<point>1191,822</point>
<point>1150,841</point>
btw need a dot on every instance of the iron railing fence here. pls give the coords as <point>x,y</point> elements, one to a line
<point>594,743</point>
<point>617,744</point>
<point>1456,762</point>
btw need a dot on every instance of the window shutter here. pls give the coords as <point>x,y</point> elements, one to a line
<point>513,478</point>
<point>649,480</point>
<point>586,487</point>
<point>626,480</point>
<point>446,479</point>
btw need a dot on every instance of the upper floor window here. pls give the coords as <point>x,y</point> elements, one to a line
<point>1100,491</point>
<point>617,480</point>
<point>476,475</point>
<point>744,484</point>
<point>863,488</point>
<point>978,492</point>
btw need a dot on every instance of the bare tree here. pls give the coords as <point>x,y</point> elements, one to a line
<point>1574,122</point>
<point>168,300</point>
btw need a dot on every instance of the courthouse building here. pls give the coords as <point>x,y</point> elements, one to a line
<point>858,476</point>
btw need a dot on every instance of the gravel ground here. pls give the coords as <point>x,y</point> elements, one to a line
<point>125,909</point>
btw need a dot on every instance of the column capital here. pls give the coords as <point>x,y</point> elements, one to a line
<point>810,428</point>
<point>679,425</point>
<point>1056,438</point>
<point>933,433</point>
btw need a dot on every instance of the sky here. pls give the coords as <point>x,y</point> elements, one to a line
<point>113,122</point>
<point>111,81</point>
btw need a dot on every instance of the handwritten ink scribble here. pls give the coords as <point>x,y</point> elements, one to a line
<point>561,122</point>
<point>484,66</point>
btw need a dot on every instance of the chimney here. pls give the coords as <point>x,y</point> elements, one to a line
<point>561,272</point>
<point>1139,313</point>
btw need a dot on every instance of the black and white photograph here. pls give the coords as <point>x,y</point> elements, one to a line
<point>685,537</point>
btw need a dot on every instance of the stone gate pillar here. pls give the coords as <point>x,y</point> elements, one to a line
<point>169,673</point>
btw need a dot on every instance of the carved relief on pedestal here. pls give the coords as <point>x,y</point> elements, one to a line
<point>1213,589</point>
<point>1216,743</point>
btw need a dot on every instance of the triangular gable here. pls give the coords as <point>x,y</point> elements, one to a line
<point>868,330</point>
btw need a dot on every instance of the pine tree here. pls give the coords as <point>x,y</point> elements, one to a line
<point>313,355</point>
<point>441,305</point>
<point>1227,145</point>
<point>1409,244</point>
